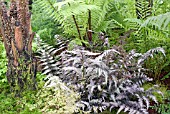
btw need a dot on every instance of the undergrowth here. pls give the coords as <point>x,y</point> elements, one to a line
<point>12,105</point>
<point>164,107</point>
<point>111,79</point>
<point>46,99</point>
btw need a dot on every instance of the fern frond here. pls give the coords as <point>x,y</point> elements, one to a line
<point>143,9</point>
<point>48,7</point>
<point>161,22</point>
<point>63,13</point>
<point>48,56</point>
<point>150,54</point>
<point>118,76</point>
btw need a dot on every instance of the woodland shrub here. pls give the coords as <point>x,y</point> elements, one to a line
<point>107,80</point>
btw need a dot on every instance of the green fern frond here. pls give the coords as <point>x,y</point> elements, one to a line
<point>60,5</point>
<point>133,23</point>
<point>143,9</point>
<point>161,21</point>
<point>47,7</point>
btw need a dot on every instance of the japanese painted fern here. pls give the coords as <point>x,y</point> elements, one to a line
<point>107,80</point>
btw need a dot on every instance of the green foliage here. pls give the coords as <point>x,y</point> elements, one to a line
<point>43,24</point>
<point>166,76</point>
<point>104,16</point>
<point>55,98</point>
<point>151,32</point>
<point>159,22</point>
<point>164,108</point>
<point>161,88</point>
<point>3,68</point>
<point>143,8</point>
<point>3,60</point>
<point>161,6</point>
<point>11,105</point>
<point>49,99</point>
<point>35,102</point>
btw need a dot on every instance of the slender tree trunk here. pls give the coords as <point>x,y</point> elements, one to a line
<point>17,37</point>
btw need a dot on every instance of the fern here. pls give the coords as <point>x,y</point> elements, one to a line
<point>78,25</point>
<point>111,79</point>
<point>143,9</point>
<point>48,57</point>
<point>47,7</point>
<point>161,22</point>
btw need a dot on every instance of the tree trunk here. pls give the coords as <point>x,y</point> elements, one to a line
<point>17,37</point>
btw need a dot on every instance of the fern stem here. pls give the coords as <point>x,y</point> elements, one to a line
<point>78,30</point>
<point>51,4</point>
<point>90,28</point>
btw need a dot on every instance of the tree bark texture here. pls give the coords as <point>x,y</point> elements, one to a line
<point>17,38</point>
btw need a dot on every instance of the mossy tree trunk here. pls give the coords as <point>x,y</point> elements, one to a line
<point>17,37</point>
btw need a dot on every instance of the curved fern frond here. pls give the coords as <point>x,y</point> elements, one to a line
<point>162,22</point>
<point>48,56</point>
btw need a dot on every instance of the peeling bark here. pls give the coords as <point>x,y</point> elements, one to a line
<point>17,37</point>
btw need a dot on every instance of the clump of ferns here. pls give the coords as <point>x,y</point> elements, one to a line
<point>112,79</point>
